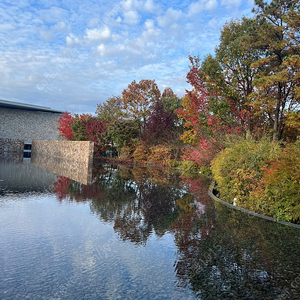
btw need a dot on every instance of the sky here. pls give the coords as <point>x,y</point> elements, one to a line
<point>71,55</point>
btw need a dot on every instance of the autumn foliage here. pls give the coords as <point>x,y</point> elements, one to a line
<point>83,127</point>
<point>65,123</point>
<point>204,132</point>
<point>159,126</point>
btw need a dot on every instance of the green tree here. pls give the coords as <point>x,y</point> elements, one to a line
<point>229,75</point>
<point>78,129</point>
<point>124,133</point>
<point>112,112</point>
<point>277,86</point>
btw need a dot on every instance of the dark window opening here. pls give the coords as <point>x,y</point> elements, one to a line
<point>27,154</point>
<point>27,150</point>
<point>27,146</point>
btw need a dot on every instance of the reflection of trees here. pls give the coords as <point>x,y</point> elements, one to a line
<point>154,208</point>
<point>222,253</point>
<point>151,206</point>
<point>138,200</point>
<point>227,254</point>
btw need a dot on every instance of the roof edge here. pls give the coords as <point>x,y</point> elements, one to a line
<point>19,105</point>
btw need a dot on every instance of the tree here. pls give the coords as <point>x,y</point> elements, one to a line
<point>95,131</point>
<point>124,133</point>
<point>111,110</point>
<point>78,128</point>
<point>83,127</point>
<point>172,102</point>
<point>204,131</point>
<point>65,122</point>
<point>138,99</point>
<point>168,93</point>
<point>112,113</point>
<point>230,76</point>
<point>159,126</point>
<point>277,87</point>
<point>88,128</point>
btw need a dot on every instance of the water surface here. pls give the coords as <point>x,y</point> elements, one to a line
<point>135,233</point>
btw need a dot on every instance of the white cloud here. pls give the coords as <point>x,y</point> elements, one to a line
<point>6,27</point>
<point>47,35</point>
<point>131,17</point>
<point>149,24</point>
<point>128,5</point>
<point>96,42</point>
<point>201,5</point>
<point>151,7</point>
<point>54,14</point>
<point>93,22</point>
<point>101,49</point>
<point>72,40</point>
<point>146,6</point>
<point>62,27</point>
<point>98,34</point>
<point>169,17</point>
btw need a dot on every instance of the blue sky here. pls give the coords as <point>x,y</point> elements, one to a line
<point>71,55</point>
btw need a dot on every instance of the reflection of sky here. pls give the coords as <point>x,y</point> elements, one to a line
<point>61,250</point>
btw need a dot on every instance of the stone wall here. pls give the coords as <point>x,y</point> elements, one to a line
<point>28,125</point>
<point>72,159</point>
<point>74,150</point>
<point>11,149</point>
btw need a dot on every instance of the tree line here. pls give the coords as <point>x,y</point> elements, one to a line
<point>141,119</point>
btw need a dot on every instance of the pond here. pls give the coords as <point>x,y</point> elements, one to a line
<point>121,232</point>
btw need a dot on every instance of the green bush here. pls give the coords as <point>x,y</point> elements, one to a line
<point>190,166</point>
<point>237,168</point>
<point>205,171</point>
<point>280,188</point>
<point>260,176</point>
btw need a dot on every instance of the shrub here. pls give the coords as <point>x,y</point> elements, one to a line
<point>126,153</point>
<point>160,153</point>
<point>141,153</point>
<point>238,168</point>
<point>189,168</point>
<point>280,187</point>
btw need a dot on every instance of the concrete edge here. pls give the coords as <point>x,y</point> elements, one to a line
<point>210,193</point>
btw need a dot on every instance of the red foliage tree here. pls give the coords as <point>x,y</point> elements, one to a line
<point>209,117</point>
<point>65,126</point>
<point>94,130</point>
<point>83,127</point>
<point>201,133</point>
<point>159,126</point>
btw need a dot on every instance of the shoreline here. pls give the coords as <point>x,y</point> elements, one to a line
<point>214,197</point>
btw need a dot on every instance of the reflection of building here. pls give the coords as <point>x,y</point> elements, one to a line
<point>24,177</point>
<point>25,123</point>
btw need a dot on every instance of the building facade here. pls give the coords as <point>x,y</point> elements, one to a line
<point>25,123</point>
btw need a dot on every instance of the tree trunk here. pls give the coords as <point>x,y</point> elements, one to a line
<point>277,115</point>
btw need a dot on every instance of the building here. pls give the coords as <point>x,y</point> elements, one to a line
<point>23,123</point>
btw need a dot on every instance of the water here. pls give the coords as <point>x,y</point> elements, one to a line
<point>134,233</point>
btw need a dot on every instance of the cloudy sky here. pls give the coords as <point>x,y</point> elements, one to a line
<point>71,54</point>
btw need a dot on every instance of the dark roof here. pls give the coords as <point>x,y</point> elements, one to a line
<point>18,105</point>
